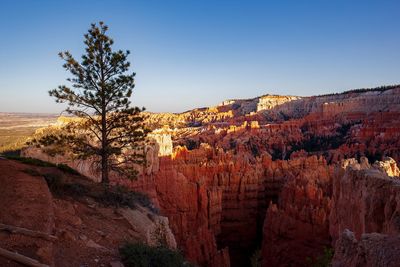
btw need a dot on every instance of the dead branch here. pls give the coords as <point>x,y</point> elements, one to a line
<point>24,231</point>
<point>21,258</point>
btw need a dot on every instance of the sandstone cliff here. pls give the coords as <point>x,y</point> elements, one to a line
<point>297,226</point>
<point>366,208</point>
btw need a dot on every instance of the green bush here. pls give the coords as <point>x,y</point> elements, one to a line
<point>141,255</point>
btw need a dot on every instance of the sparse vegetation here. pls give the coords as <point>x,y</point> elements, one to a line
<point>119,196</point>
<point>253,146</point>
<point>40,163</point>
<point>142,255</point>
<point>323,260</point>
<point>256,258</point>
<point>321,143</point>
<point>55,182</point>
<point>75,189</point>
<point>115,196</point>
<point>363,90</point>
<point>14,139</point>
<point>67,169</point>
<point>192,144</point>
<point>232,143</point>
<point>31,161</point>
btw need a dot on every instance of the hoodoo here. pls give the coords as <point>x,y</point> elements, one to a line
<point>270,177</point>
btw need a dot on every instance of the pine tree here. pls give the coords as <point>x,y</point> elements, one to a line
<point>109,130</point>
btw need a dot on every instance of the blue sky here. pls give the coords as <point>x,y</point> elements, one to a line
<point>191,54</point>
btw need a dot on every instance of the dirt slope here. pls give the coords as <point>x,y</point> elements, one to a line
<point>25,202</point>
<point>88,233</point>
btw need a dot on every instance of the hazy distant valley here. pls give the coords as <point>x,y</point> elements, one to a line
<point>15,128</point>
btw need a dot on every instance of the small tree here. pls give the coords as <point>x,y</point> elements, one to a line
<point>109,130</point>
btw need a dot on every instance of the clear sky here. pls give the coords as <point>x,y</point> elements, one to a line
<point>191,54</point>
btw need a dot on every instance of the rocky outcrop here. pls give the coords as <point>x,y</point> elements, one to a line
<point>362,103</point>
<point>211,199</point>
<point>259,172</point>
<point>163,139</point>
<point>160,145</point>
<point>268,102</point>
<point>297,226</point>
<point>366,207</point>
<point>365,200</point>
<point>388,166</point>
<point>372,250</point>
<point>70,230</point>
<point>153,229</point>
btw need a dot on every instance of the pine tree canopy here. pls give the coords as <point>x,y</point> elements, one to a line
<point>109,131</point>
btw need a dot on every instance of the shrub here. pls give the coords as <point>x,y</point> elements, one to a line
<point>323,260</point>
<point>74,189</point>
<point>118,196</point>
<point>67,169</point>
<point>11,153</point>
<point>55,182</point>
<point>256,258</point>
<point>192,144</point>
<point>141,255</point>
<point>31,161</point>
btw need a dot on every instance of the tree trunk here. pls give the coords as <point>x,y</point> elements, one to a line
<point>104,169</point>
<point>104,153</point>
<point>104,142</point>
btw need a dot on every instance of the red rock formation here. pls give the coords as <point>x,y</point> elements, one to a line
<point>216,192</point>
<point>208,194</point>
<point>366,202</point>
<point>372,250</point>
<point>25,202</point>
<point>297,227</point>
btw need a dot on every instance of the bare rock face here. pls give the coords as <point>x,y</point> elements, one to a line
<point>372,250</point>
<point>389,166</point>
<point>161,145</point>
<point>210,195</point>
<point>268,102</point>
<point>163,139</point>
<point>328,106</point>
<point>84,167</point>
<point>366,207</point>
<point>365,200</point>
<point>152,228</point>
<point>297,226</point>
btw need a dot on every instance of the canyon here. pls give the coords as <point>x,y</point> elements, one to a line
<point>274,179</point>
